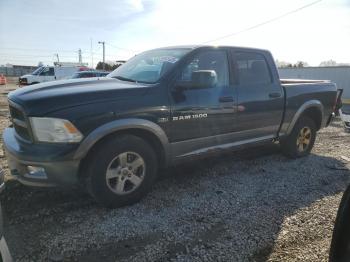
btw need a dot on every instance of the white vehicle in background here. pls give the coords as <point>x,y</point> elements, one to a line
<point>51,73</point>
<point>345,115</point>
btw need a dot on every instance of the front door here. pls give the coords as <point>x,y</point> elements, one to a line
<point>201,113</point>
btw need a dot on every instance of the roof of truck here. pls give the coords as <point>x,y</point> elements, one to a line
<point>218,46</point>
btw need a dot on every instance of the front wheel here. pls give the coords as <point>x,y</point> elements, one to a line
<point>301,140</point>
<point>121,171</point>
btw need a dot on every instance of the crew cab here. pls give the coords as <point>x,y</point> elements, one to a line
<point>161,107</point>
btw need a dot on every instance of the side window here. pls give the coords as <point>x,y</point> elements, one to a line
<point>208,60</point>
<point>51,71</point>
<point>47,71</point>
<point>87,75</point>
<point>252,68</point>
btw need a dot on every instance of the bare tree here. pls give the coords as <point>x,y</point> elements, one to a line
<point>329,62</point>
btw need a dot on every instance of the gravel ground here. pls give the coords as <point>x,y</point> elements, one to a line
<point>251,205</point>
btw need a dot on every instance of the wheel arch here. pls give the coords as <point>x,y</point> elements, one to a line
<point>312,109</point>
<point>145,129</point>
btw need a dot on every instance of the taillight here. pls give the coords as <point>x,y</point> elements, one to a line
<point>337,103</point>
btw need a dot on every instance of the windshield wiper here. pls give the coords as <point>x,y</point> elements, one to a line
<point>125,79</point>
<point>131,80</point>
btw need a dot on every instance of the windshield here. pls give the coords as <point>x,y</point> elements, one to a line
<point>150,66</point>
<point>38,70</point>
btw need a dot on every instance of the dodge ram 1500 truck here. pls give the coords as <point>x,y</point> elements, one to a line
<point>160,107</point>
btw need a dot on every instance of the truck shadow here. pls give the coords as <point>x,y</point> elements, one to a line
<point>235,202</point>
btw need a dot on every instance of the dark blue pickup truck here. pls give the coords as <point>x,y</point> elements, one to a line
<point>161,107</point>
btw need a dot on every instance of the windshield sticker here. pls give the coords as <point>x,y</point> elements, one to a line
<point>170,59</point>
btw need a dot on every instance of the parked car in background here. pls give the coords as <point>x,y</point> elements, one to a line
<point>161,107</point>
<point>50,73</point>
<point>345,116</point>
<point>88,74</point>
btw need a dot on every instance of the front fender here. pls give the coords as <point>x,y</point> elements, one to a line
<point>118,125</point>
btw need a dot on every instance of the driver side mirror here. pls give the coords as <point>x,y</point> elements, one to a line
<point>201,79</point>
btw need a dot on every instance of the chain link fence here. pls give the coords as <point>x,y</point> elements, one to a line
<point>13,71</point>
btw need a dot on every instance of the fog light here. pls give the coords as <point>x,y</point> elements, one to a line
<point>36,172</point>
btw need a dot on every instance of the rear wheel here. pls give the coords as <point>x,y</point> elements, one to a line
<point>121,171</point>
<point>301,140</point>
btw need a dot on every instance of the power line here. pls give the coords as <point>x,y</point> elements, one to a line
<point>265,22</point>
<point>35,56</point>
<point>40,50</point>
<point>122,48</point>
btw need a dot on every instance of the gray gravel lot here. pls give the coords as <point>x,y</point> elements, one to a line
<point>251,205</point>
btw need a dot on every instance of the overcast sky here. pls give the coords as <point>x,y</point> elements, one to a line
<point>33,30</point>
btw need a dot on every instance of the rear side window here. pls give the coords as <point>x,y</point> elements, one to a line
<point>252,68</point>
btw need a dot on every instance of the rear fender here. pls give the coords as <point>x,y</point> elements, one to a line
<point>307,105</point>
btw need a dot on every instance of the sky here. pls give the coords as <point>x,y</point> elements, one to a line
<point>33,30</point>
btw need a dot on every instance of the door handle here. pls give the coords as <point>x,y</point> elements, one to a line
<point>275,95</point>
<point>226,99</point>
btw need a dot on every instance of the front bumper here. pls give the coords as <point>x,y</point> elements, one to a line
<point>53,164</point>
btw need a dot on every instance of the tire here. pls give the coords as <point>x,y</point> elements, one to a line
<point>339,250</point>
<point>121,171</point>
<point>301,140</point>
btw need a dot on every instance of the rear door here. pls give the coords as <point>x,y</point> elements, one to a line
<point>259,96</point>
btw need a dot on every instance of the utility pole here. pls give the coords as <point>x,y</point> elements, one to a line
<point>58,59</point>
<point>80,59</point>
<point>103,46</point>
<point>92,55</point>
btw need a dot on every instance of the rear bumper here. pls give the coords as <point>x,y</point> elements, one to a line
<point>42,165</point>
<point>330,118</point>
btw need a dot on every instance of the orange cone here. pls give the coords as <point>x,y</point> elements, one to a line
<point>3,80</point>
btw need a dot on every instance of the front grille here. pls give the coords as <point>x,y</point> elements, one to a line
<point>16,113</point>
<point>19,121</point>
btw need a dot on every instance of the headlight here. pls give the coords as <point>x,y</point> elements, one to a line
<point>54,130</point>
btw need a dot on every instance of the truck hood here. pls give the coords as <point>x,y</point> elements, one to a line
<point>26,76</point>
<point>44,98</point>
